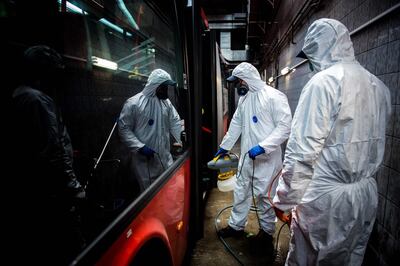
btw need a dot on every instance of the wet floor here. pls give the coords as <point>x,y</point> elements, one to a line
<point>210,251</point>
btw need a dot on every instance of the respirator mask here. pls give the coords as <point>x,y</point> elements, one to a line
<point>310,65</point>
<point>242,89</point>
<point>301,54</point>
<point>162,90</point>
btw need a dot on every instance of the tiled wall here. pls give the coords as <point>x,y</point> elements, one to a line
<point>377,48</point>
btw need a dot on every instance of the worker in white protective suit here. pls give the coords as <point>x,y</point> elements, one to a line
<point>145,124</point>
<point>262,119</point>
<point>336,145</point>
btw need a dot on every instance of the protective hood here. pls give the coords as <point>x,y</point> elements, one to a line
<point>249,73</point>
<point>262,118</point>
<point>156,77</point>
<point>328,42</point>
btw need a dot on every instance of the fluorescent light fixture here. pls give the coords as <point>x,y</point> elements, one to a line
<point>270,79</point>
<point>125,10</point>
<point>100,62</point>
<point>113,26</point>
<point>285,71</point>
<point>73,8</point>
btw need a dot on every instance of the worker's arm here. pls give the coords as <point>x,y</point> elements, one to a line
<point>282,117</point>
<point>126,124</point>
<point>175,123</point>
<point>312,122</point>
<point>57,150</point>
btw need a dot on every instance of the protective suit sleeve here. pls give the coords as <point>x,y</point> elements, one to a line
<point>282,118</point>
<point>234,131</point>
<point>311,125</point>
<point>126,123</point>
<point>57,149</point>
<point>175,123</point>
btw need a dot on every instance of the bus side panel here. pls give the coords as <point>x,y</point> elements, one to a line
<point>182,229</point>
<point>166,217</point>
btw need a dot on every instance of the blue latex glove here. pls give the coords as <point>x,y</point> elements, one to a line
<point>146,151</point>
<point>255,151</point>
<point>220,151</point>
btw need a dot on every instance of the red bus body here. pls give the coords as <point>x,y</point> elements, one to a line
<point>118,226</point>
<point>166,217</point>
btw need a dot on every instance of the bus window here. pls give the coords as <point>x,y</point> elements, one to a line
<point>126,42</point>
<point>110,48</point>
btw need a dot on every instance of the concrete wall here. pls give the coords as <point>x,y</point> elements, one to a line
<point>377,48</point>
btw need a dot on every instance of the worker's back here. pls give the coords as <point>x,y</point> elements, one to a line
<point>354,147</point>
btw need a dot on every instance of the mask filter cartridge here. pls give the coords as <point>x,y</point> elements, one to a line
<point>242,90</point>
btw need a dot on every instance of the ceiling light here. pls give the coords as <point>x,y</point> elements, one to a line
<point>100,62</point>
<point>285,71</point>
<point>114,27</point>
<point>73,8</point>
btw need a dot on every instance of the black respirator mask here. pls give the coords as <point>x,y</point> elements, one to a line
<point>162,92</point>
<point>310,66</point>
<point>242,89</point>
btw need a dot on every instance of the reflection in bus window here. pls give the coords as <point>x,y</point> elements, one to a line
<point>145,124</point>
<point>134,39</point>
<point>125,42</point>
<point>110,48</point>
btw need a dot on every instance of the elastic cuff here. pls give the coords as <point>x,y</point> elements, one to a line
<point>139,147</point>
<point>237,228</point>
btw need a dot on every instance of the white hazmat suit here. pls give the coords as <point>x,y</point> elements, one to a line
<point>336,145</point>
<point>262,118</point>
<point>147,120</point>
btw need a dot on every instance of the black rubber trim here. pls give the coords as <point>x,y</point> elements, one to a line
<point>97,247</point>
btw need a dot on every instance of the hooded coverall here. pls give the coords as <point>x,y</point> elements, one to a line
<point>336,145</point>
<point>262,118</point>
<point>147,120</point>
